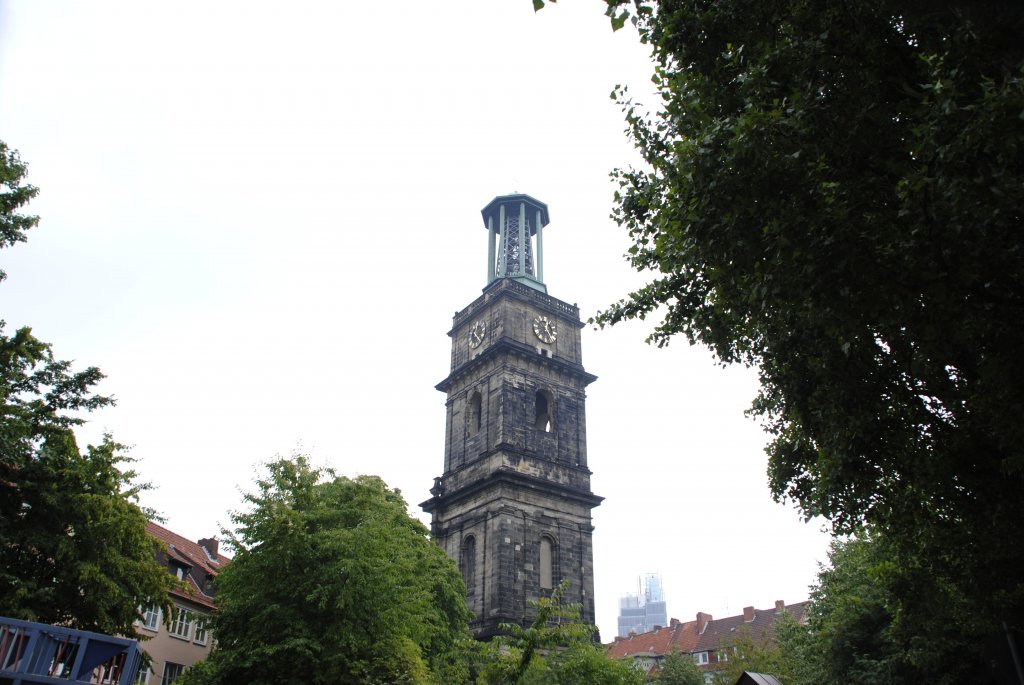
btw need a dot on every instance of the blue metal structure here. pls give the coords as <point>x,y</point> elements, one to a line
<point>39,653</point>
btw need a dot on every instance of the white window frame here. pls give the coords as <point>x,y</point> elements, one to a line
<point>143,676</point>
<point>700,658</point>
<point>180,625</point>
<point>150,618</point>
<point>201,632</point>
<point>178,667</point>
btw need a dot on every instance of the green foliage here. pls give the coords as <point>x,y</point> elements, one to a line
<point>679,669</point>
<point>14,194</point>
<point>851,616</point>
<point>850,632</point>
<point>614,12</point>
<point>557,649</point>
<point>333,581</point>
<point>800,654</point>
<point>73,543</point>
<point>833,195</point>
<point>784,656</point>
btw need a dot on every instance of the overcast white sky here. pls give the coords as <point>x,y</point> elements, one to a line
<point>258,219</point>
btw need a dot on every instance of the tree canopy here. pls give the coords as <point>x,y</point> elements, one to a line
<point>556,649</point>
<point>851,616</point>
<point>848,636</point>
<point>332,581</point>
<point>73,542</point>
<point>14,194</point>
<point>833,194</point>
<point>678,669</point>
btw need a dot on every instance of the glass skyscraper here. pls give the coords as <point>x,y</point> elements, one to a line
<point>641,613</point>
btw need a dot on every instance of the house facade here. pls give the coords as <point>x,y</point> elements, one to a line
<point>709,642</point>
<point>175,642</point>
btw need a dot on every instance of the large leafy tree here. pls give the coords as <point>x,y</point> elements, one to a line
<point>848,635</point>
<point>333,582</point>
<point>851,617</point>
<point>679,669</point>
<point>73,544</point>
<point>788,654</point>
<point>556,649</point>
<point>834,194</point>
<point>14,194</point>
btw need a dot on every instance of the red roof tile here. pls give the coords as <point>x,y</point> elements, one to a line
<point>191,554</point>
<point>688,638</point>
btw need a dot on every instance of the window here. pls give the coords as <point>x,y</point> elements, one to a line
<point>108,673</point>
<point>181,623</point>
<point>723,655</point>
<point>171,673</point>
<point>467,562</point>
<point>544,411</point>
<point>143,677</point>
<point>474,414</point>
<point>700,658</point>
<point>546,554</point>
<point>150,618</point>
<point>202,631</point>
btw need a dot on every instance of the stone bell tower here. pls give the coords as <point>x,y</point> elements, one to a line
<point>513,506</point>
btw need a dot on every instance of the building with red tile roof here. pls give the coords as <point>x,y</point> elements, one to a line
<point>708,641</point>
<point>175,642</point>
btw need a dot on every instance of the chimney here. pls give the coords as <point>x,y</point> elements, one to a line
<point>674,622</point>
<point>702,621</point>
<point>780,606</point>
<point>748,614</point>
<point>210,545</point>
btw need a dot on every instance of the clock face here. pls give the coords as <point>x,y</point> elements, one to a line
<point>476,333</point>
<point>544,329</point>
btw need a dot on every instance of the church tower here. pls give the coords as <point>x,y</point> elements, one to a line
<point>513,506</point>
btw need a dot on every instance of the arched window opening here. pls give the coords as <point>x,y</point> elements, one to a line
<point>467,563</point>
<point>544,411</point>
<point>474,414</point>
<point>546,564</point>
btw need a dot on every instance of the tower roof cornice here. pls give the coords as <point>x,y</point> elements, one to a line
<point>515,199</point>
<point>508,346</point>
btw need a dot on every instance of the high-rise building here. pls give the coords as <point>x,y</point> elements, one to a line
<point>644,611</point>
<point>513,505</point>
<point>653,590</point>
<point>632,616</point>
<point>654,601</point>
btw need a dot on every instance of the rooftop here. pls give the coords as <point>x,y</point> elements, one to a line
<point>203,558</point>
<point>704,634</point>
